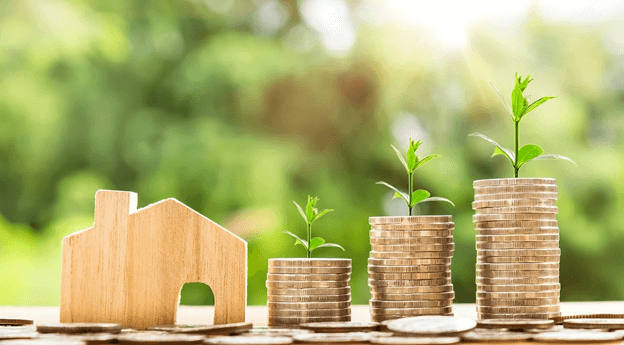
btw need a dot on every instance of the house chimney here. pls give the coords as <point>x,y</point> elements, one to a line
<point>112,208</point>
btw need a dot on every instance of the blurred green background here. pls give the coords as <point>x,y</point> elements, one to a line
<point>236,108</point>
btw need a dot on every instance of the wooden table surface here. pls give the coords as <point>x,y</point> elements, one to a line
<point>258,314</point>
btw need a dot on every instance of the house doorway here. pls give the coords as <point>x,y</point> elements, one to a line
<point>195,295</point>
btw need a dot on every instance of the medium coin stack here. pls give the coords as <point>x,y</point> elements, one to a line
<point>517,248</point>
<point>409,268</point>
<point>308,290</point>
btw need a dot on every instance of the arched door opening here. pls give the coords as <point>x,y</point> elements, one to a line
<point>195,294</point>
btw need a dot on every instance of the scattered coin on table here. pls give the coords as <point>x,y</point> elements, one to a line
<point>496,336</point>
<point>414,340</point>
<point>340,327</point>
<point>79,327</point>
<point>153,338</point>
<point>258,340</point>
<point>432,325</point>
<point>232,328</point>
<point>515,323</point>
<point>333,338</point>
<point>613,324</point>
<point>578,336</point>
<point>273,331</point>
<point>15,322</point>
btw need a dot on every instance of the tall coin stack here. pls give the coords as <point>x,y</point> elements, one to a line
<point>308,290</point>
<point>409,268</point>
<point>517,248</point>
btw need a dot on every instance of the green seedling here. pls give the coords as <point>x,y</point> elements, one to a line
<point>411,163</point>
<point>520,106</point>
<point>310,215</point>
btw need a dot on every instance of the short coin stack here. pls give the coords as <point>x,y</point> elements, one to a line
<point>517,248</point>
<point>308,290</point>
<point>409,267</point>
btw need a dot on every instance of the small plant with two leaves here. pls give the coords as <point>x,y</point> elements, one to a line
<point>310,215</point>
<point>520,106</point>
<point>412,162</point>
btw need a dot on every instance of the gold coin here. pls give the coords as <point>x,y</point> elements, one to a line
<point>277,321</point>
<point>611,324</point>
<point>515,316</point>
<point>309,312</point>
<point>225,329</point>
<point>410,304</point>
<point>517,281</point>
<point>409,276</point>
<point>518,287</point>
<point>513,216</point>
<point>414,226</point>
<point>552,230</point>
<point>434,289</point>
<point>302,262</point>
<point>517,274</point>
<point>413,296</point>
<point>308,291</point>
<point>579,336</point>
<point>308,277</point>
<point>517,238</point>
<point>309,305</point>
<point>308,298</point>
<point>479,205</point>
<point>79,327</point>
<point>414,248</point>
<point>514,182</point>
<point>519,195</point>
<point>509,224</point>
<point>518,245</point>
<point>410,240</point>
<point>410,219</point>
<point>519,310</point>
<point>519,295</point>
<point>410,255</point>
<point>307,285</point>
<point>419,282</point>
<point>525,302</point>
<point>518,252</point>
<point>414,234</point>
<point>518,259</point>
<point>408,269</point>
<point>519,266</point>
<point>411,311</point>
<point>536,188</point>
<point>309,270</point>
<point>516,324</point>
<point>513,210</point>
<point>408,262</point>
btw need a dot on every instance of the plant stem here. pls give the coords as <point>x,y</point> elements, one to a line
<point>410,183</point>
<point>309,238</point>
<point>516,168</point>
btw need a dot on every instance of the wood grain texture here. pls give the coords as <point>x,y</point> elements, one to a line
<point>130,266</point>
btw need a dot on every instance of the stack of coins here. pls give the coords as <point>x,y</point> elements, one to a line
<point>308,290</point>
<point>517,248</point>
<point>409,268</point>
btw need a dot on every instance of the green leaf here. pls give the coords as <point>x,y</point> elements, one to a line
<point>326,245</point>
<point>412,160</point>
<point>418,196</point>
<point>527,153</point>
<point>315,242</point>
<point>301,211</point>
<point>400,157</point>
<point>498,151</point>
<point>525,83</point>
<point>517,102</point>
<point>534,105</point>
<point>506,152</point>
<point>322,213</point>
<point>436,198</point>
<point>310,209</point>
<point>304,243</point>
<point>425,160</point>
<point>396,191</point>
<point>553,156</point>
<point>502,99</point>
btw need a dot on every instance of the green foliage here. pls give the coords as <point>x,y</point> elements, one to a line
<point>411,163</point>
<point>310,215</point>
<point>520,106</point>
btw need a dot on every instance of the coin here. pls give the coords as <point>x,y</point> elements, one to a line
<point>5,337</point>
<point>515,323</point>
<point>408,269</point>
<point>414,340</point>
<point>406,233</point>
<point>409,276</point>
<point>408,262</point>
<point>411,255</point>
<point>15,322</point>
<point>309,298</point>
<point>307,285</point>
<point>159,338</point>
<point>517,274</point>
<point>410,240</point>
<point>518,238</point>
<point>518,209</point>
<point>577,337</point>
<point>411,311</point>
<point>560,319</point>
<point>519,310</point>
<point>411,289</point>
<point>518,287</point>
<point>257,340</point>
<point>507,224</point>
<point>410,304</point>
<point>341,327</point>
<point>513,182</point>
<point>414,227</point>
<point>389,318</point>
<point>333,338</point>
<point>517,302</point>
<point>302,262</point>
<point>594,323</point>
<point>79,327</point>
<point>519,295</point>
<point>310,291</point>
<point>495,336</point>
<point>413,296</point>
<point>536,188</point>
<point>432,325</point>
<point>519,252</point>
<point>400,283</point>
<point>553,230</point>
<point>414,248</point>
<point>309,312</point>
<point>479,205</point>
<point>88,338</point>
<point>519,195</point>
<point>517,259</point>
<point>410,219</point>
<point>273,331</point>
<point>541,316</point>
<point>308,305</point>
<point>309,270</point>
<point>518,245</point>
<point>308,277</point>
<point>518,281</point>
<point>282,320</point>
<point>513,216</point>
<point>226,329</point>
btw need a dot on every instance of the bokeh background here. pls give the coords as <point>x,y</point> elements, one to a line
<point>238,107</point>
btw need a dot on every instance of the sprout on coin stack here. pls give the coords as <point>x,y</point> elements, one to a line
<point>517,234</point>
<point>308,289</point>
<point>409,266</point>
